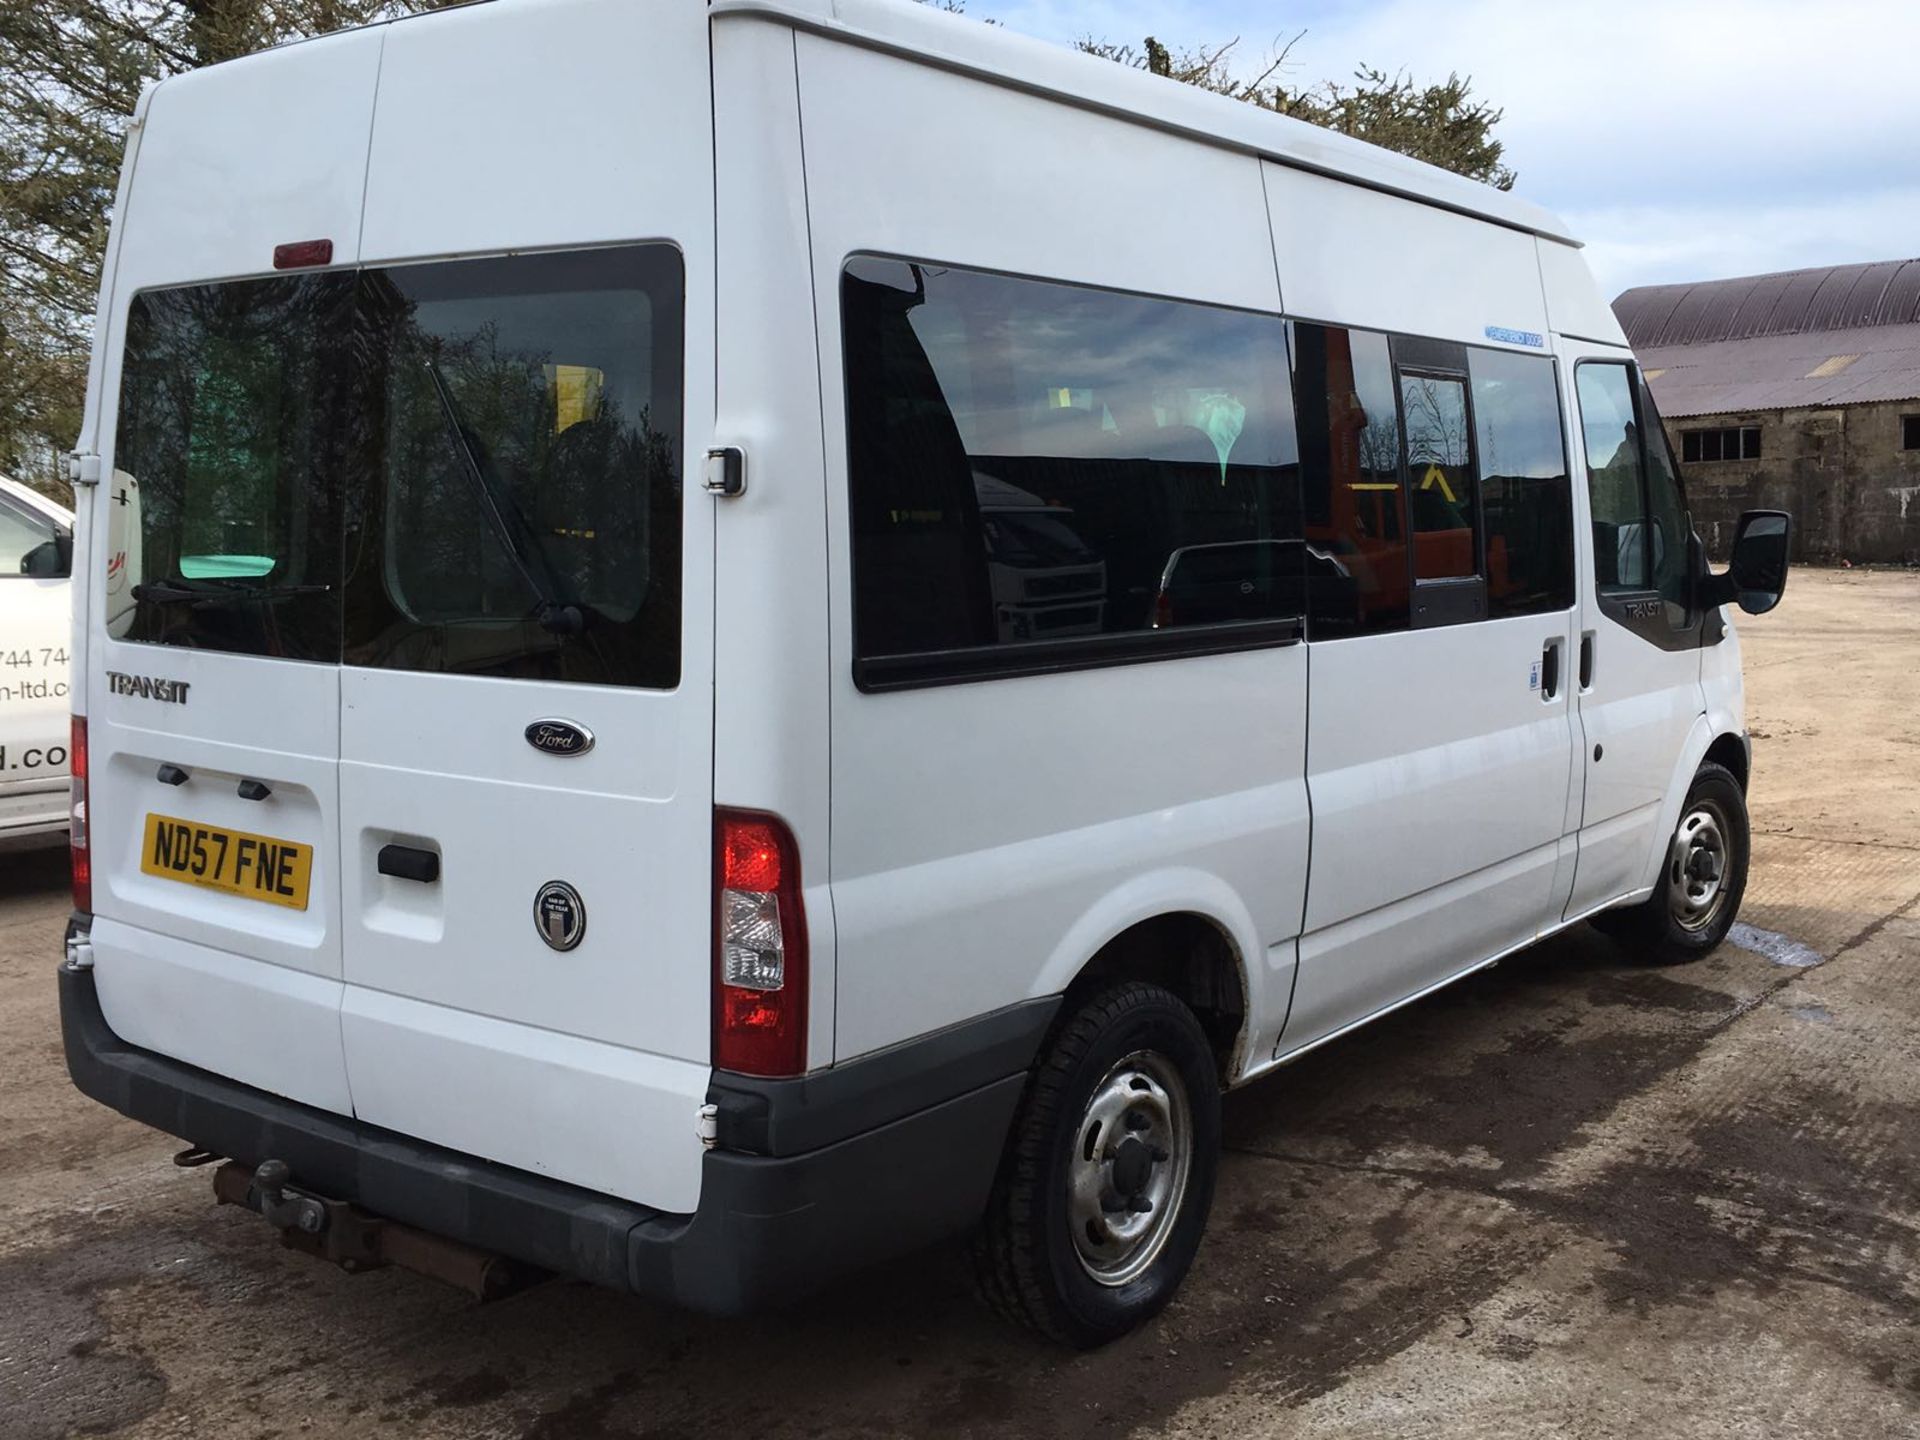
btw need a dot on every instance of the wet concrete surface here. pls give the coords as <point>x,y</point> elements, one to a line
<point>1573,1195</point>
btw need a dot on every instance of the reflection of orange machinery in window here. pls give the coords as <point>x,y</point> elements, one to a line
<point>1362,519</point>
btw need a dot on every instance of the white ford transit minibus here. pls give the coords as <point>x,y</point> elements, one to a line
<point>749,636</point>
<point>36,625</point>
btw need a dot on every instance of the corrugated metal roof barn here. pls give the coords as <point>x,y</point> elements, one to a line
<point>1842,335</point>
<point>1799,392</point>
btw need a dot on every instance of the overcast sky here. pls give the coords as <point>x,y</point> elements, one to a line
<point>1681,139</point>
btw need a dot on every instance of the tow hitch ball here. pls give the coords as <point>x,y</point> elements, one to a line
<point>281,1210</point>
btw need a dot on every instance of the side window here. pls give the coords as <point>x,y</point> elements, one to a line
<point>1526,495</point>
<point>1640,530</point>
<point>1355,508</point>
<point>23,538</point>
<point>1667,530</point>
<point>1616,481</point>
<point>1039,462</point>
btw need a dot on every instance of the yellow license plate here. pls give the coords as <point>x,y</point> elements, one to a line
<point>257,867</point>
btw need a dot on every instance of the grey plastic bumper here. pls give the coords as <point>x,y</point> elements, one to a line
<point>769,1226</point>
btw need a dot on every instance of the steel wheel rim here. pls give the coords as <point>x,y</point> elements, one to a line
<point>1697,864</point>
<point>1127,1177</point>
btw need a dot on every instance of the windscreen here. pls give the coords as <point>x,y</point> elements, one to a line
<point>466,466</point>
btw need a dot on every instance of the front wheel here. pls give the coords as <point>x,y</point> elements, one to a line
<point>1108,1174</point>
<point>1705,875</point>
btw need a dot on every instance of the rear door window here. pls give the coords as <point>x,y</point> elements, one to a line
<point>521,452</point>
<point>233,403</point>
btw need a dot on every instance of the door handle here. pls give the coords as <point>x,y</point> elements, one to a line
<point>1586,659</point>
<point>407,862</point>
<point>1550,670</point>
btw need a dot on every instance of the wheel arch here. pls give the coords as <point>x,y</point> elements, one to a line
<point>1187,932</point>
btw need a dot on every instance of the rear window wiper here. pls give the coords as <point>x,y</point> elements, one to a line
<point>209,593</point>
<point>556,616</point>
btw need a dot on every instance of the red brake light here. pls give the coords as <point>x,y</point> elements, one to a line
<point>77,818</point>
<point>302,253</point>
<point>759,947</point>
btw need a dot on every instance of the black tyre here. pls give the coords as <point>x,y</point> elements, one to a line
<point>1698,895</point>
<point>1106,1182</point>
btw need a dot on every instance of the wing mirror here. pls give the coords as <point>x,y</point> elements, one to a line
<point>1756,573</point>
<point>49,560</point>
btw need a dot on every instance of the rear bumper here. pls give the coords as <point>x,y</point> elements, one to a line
<point>769,1227</point>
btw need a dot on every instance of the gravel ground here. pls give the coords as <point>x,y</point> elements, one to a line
<point>1571,1196</point>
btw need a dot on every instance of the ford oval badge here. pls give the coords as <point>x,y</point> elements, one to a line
<point>559,737</point>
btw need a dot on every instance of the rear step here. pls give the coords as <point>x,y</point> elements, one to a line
<point>355,1239</point>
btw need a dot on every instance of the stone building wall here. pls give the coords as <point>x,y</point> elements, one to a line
<point>1854,494</point>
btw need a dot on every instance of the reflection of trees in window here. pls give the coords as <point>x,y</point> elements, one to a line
<point>579,492</point>
<point>1436,421</point>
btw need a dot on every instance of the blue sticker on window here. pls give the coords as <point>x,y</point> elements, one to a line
<point>1516,337</point>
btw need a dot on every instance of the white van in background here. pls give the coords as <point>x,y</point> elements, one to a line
<point>578,765</point>
<point>36,627</point>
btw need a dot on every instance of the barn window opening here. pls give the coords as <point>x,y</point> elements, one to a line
<point>1735,442</point>
<point>1910,432</point>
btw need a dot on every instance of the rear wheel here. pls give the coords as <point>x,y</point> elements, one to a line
<point>1108,1174</point>
<point>1700,887</point>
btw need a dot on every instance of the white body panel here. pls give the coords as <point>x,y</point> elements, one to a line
<point>1439,780</point>
<point>36,629</point>
<point>1358,819</point>
<point>1358,257</point>
<point>1032,854</point>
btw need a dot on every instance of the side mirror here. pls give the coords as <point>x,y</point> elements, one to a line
<point>1756,574</point>
<point>49,560</point>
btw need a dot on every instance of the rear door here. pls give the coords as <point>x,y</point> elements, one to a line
<point>213,691</point>
<point>526,703</point>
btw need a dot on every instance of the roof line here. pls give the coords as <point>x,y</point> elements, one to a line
<point>1039,68</point>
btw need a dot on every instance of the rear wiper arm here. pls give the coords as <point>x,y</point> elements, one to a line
<point>167,592</point>
<point>556,616</point>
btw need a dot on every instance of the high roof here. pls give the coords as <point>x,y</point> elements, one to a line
<point>1842,335</point>
<point>994,52</point>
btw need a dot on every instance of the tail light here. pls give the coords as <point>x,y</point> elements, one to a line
<point>759,947</point>
<point>77,818</point>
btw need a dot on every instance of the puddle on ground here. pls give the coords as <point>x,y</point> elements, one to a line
<point>1780,949</point>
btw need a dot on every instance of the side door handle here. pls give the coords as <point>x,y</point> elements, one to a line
<point>1550,670</point>
<point>407,862</point>
<point>1586,660</point>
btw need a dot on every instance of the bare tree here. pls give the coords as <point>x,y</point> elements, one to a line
<point>70,74</point>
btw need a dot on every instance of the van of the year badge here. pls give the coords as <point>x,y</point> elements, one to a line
<point>560,915</point>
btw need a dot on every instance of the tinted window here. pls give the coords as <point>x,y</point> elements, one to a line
<point>491,445</point>
<point>522,443</point>
<point>1615,478</point>
<point>1351,495</point>
<point>1031,461</point>
<point>1526,499</point>
<point>1667,515</point>
<point>233,399</point>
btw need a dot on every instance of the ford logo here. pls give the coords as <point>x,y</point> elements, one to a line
<point>559,737</point>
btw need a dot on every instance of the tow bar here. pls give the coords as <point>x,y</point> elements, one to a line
<point>357,1240</point>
